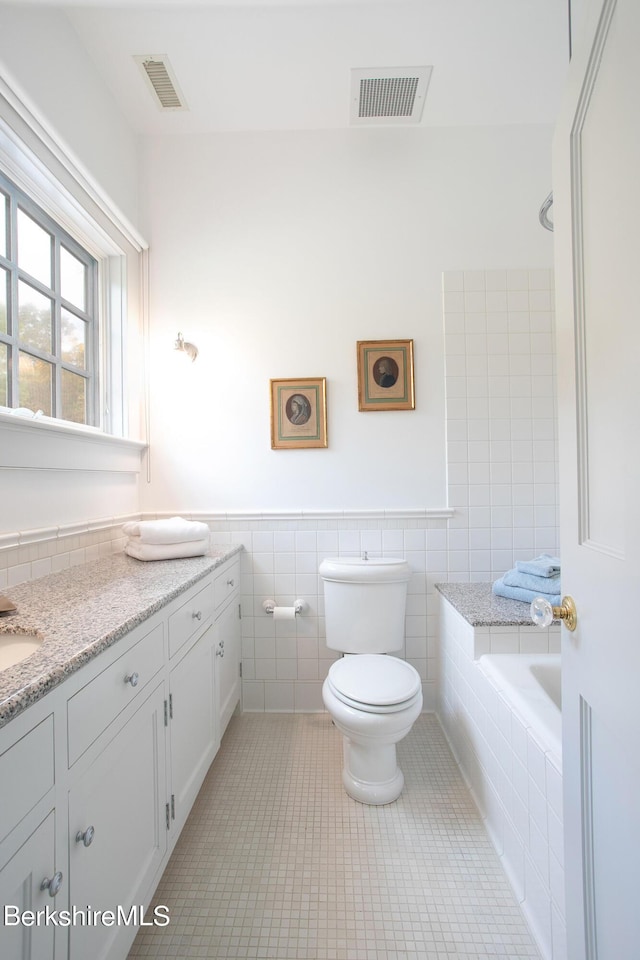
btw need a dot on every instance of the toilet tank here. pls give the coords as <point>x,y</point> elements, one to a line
<point>364,603</point>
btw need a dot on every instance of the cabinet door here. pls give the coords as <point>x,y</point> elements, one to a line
<point>192,724</point>
<point>122,797</point>
<point>228,642</point>
<point>20,881</point>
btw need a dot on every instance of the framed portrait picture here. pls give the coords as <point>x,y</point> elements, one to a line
<point>298,413</point>
<point>385,375</point>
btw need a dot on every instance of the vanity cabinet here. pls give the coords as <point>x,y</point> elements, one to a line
<point>117,825</point>
<point>99,776</point>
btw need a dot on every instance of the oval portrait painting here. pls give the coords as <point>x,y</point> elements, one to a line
<point>298,408</point>
<point>385,371</point>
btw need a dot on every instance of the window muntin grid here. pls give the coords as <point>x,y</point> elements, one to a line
<point>48,313</point>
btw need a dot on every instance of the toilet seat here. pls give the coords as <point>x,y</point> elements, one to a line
<point>375,683</point>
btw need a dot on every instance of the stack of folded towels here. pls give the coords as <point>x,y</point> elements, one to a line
<point>166,539</point>
<point>529,579</point>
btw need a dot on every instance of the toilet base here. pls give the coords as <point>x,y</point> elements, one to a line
<point>374,794</point>
<point>370,773</point>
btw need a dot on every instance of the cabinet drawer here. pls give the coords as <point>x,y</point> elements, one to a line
<point>27,768</point>
<point>189,617</point>
<point>96,705</point>
<point>227,584</point>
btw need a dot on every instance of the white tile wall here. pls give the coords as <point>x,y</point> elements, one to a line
<point>285,663</point>
<point>501,419</point>
<point>30,554</point>
<point>515,779</point>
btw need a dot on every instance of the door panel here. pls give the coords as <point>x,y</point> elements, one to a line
<point>597,249</point>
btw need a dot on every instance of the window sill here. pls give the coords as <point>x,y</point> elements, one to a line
<point>46,444</point>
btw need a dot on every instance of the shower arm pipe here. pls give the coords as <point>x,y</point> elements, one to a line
<point>543,215</point>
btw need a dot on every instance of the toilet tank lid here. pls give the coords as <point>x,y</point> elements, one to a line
<point>359,570</point>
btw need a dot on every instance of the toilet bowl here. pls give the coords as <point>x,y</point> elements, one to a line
<point>374,700</point>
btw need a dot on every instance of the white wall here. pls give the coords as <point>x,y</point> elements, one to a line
<point>275,253</point>
<point>51,83</point>
<point>41,56</point>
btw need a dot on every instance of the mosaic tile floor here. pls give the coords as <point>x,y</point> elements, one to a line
<point>277,862</point>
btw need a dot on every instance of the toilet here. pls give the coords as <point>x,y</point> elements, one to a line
<point>373,698</point>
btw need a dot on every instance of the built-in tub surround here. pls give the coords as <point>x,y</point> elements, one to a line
<point>510,762</point>
<point>82,611</point>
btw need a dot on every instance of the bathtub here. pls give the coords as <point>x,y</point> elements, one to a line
<point>531,684</point>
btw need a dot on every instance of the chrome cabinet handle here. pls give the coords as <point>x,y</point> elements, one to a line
<point>220,650</point>
<point>87,837</point>
<point>132,678</point>
<point>197,615</point>
<point>230,583</point>
<point>53,885</point>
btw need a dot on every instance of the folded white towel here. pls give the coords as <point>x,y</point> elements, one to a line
<point>174,530</point>
<point>166,551</point>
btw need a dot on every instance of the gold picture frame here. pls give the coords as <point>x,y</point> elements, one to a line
<point>298,413</point>
<point>385,375</point>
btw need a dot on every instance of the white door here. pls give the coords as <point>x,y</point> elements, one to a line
<point>597,240</point>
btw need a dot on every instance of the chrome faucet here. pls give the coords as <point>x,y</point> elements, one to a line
<point>7,607</point>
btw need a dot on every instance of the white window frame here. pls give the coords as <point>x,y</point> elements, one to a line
<point>31,157</point>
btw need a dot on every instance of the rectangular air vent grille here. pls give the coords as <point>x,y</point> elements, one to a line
<point>388,97</point>
<point>389,94</point>
<point>162,82</point>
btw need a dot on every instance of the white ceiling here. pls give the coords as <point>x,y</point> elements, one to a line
<point>286,66</point>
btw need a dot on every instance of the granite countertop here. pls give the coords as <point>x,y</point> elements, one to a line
<point>83,610</point>
<point>481,608</point>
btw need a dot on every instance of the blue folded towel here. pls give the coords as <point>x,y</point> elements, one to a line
<point>542,585</point>
<point>543,566</point>
<point>501,589</point>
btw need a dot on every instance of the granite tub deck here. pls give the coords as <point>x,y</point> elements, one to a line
<point>481,608</point>
<point>83,610</point>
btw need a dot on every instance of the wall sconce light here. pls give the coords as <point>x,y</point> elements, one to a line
<point>189,349</point>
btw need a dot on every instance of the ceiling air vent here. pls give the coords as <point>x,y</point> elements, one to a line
<point>388,95</point>
<point>160,77</point>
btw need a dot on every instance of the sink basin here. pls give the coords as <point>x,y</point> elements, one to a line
<point>15,647</point>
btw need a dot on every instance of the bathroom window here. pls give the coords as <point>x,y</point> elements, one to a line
<point>48,314</point>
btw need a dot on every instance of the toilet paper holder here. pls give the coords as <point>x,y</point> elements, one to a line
<point>269,606</point>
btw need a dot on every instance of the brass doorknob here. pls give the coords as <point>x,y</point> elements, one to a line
<point>542,613</point>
